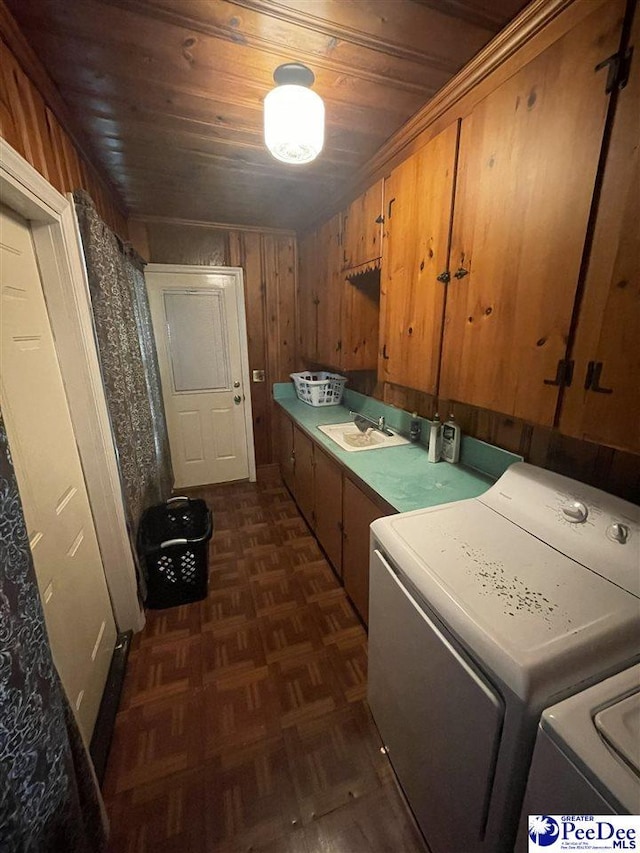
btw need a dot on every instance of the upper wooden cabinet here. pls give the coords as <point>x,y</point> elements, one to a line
<point>419,197</point>
<point>602,403</point>
<point>362,229</point>
<point>528,161</point>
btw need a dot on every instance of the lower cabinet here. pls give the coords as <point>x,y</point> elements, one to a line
<point>303,488</point>
<point>338,511</point>
<point>285,449</point>
<point>328,509</point>
<point>358,513</point>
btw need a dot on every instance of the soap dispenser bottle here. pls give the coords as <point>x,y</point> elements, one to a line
<point>451,441</point>
<point>435,439</point>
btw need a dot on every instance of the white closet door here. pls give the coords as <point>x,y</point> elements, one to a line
<point>62,537</point>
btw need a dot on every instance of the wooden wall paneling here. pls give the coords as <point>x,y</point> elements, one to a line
<point>419,198</point>
<point>36,126</point>
<point>623,477</point>
<point>25,136</point>
<point>279,276</point>
<point>307,297</point>
<point>360,321</point>
<point>58,175</point>
<point>608,324</point>
<point>286,256</point>
<point>245,250</point>
<point>187,244</point>
<point>530,155</point>
<point>330,287</point>
<point>279,271</point>
<point>408,399</point>
<point>139,238</point>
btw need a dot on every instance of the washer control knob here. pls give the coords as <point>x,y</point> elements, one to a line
<point>575,512</point>
<point>618,532</point>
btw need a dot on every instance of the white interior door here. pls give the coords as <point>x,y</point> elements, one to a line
<point>62,536</point>
<point>198,321</point>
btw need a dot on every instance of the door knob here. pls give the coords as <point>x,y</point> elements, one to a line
<point>237,399</point>
<point>236,384</point>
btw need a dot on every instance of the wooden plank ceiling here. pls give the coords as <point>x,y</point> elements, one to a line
<point>169,92</point>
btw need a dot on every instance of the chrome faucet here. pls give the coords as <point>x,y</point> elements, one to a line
<point>364,423</point>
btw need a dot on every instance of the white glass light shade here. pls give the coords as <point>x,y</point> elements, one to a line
<point>293,123</point>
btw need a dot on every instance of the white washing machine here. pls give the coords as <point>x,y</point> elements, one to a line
<point>483,613</point>
<point>587,754</point>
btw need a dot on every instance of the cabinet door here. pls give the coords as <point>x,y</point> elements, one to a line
<point>527,166</point>
<point>329,292</point>
<point>328,506</point>
<point>362,229</point>
<point>307,297</point>
<point>608,331</point>
<point>285,450</point>
<point>358,513</point>
<point>419,195</point>
<point>303,480</point>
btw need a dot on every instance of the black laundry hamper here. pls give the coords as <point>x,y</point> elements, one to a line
<point>173,542</point>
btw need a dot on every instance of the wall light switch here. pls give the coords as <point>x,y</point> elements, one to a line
<point>258,375</point>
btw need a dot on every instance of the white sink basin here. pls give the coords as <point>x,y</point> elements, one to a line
<point>348,437</point>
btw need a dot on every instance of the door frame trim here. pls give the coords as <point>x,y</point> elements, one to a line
<point>238,274</point>
<point>60,259</point>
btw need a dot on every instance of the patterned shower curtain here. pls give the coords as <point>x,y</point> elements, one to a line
<point>49,799</point>
<point>129,363</point>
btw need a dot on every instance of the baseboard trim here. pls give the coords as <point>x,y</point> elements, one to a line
<point>105,722</point>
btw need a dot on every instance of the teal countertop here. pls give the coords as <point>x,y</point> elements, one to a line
<point>402,476</point>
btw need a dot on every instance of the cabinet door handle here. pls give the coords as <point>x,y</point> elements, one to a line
<point>384,352</point>
<point>389,210</point>
<point>460,273</point>
<point>444,277</point>
<point>564,373</point>
<point>592,379</point>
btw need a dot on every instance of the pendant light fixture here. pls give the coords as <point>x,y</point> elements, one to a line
<point>293,115</point>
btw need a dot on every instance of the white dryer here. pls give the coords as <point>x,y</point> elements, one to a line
<point>587,754</point>
<point>482,614</point>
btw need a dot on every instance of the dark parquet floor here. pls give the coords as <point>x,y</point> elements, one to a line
<point>243,724</point>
